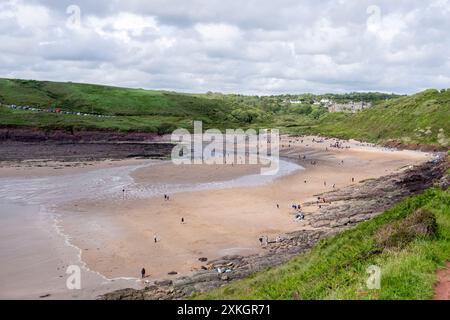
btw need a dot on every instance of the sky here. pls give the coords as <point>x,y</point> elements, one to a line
<point>249,47</point>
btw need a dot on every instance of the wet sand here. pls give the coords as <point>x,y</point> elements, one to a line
<point>34,259</point>
<point>114,232</point>
<point>217,221</point>
<point>50,168</point>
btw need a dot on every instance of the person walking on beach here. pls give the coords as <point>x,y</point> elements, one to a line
<point>123,194</point>
<point>155,238</point>
<point>143,273</point>
<point>278,206</point>
<point>182,220</point>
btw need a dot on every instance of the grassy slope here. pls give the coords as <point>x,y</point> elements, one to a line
<point>134,109</point>
<point>398,119</point>
<point>336,268</point>
<point>147,110</point>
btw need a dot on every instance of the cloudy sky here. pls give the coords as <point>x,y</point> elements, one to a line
<point>251,47</point>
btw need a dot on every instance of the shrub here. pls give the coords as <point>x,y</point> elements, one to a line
<point>420,224</point>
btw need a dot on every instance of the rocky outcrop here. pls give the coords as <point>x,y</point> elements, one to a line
<point>346,208</point>
<point>415,146</point>
<point>444,183</point>
<point>351,205</point>
<point>14,151</point>
<point>228,268</point>
<point>18,144</point>
<point>72,135</point>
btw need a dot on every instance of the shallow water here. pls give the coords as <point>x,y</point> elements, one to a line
<point>109,182</point>
<point>35,252</point>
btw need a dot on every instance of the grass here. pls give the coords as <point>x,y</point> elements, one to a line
<point>50,121</point>
<point>134,109</point>
<point>421,118</point>
<point>413,119</point>
<point>105,100</point>
<point>337,268</point>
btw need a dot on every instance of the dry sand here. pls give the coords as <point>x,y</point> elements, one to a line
<point>114,235</point>
<point>117,236</point>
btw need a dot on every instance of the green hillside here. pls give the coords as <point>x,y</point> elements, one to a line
<point>133,109</point>
<point>106,100</point>
<point>148,110</point>
<point>420,118</point>
<point>337,268</point>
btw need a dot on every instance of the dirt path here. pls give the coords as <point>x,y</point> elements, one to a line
<point>442,289</point>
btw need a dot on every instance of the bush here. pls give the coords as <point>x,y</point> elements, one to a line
<point>420,224</point>
<point>247,116</point>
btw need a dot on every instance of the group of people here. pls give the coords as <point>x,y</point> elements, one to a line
<point>299,215</point>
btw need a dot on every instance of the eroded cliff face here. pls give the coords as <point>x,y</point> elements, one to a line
<point>71,135</point>
<point>347,208</point>
<point>18,144</point>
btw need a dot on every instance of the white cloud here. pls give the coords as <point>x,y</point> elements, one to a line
<point>261,47</point>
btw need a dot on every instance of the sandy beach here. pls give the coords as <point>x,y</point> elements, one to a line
<point>225,210</point>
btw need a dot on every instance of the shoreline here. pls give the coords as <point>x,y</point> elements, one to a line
<point>75,233</point>
<point>93,277</point>
<point>156,205</point>
<point>411,181</point>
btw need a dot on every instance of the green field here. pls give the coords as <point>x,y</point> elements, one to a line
<point>420,118</point>
<point>337,267</point>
